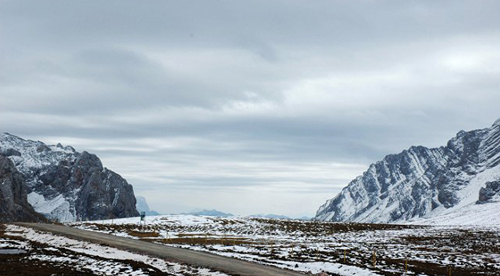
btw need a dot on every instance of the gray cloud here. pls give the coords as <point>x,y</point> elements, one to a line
<point>284,101</point>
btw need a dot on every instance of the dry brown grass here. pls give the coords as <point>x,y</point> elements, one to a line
<point>419,267</point>
<point>196,240</point>
<point>144,234</point>
<point>433,245</point>
<point>316,228</point>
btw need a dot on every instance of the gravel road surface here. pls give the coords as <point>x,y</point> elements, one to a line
<point>201,259</point>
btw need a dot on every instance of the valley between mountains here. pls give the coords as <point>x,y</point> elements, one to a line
<point>424,211</point>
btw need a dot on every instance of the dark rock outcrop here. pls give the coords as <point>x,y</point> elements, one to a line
<point>490,193</point>
<point>14,205</point>
<point>100,193</point>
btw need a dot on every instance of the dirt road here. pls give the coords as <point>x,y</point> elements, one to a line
<point>185,256</point>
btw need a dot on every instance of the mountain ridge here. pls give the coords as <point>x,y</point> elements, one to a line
<point>422,182</point>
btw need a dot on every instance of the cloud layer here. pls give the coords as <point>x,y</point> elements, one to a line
<point>246,106</point>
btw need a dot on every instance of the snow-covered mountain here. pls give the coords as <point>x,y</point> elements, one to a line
<point>67,185</point>
<point>423,183</point>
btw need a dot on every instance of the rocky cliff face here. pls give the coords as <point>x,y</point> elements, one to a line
<point>68,185</point>
<point>422,182</point>
<point>14,205</point>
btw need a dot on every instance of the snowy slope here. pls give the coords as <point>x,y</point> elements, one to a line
<point>424,183</point>
<point>471,214</point>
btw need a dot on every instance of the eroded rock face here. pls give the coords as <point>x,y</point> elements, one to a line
<point>490,193</point>
<point>67,185</point>
<point>421,182</point>
<point>14,204</point>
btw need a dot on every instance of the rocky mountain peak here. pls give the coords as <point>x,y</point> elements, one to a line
<point>67,185</point>
<point>423,182</point>
<point>86,159</point>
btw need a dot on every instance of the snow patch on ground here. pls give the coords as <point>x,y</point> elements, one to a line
<point>311,246</point>
<point>110,266</point>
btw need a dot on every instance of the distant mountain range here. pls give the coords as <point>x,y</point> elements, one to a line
<point>210,213</point>
<point>216,213</point>
<point>142,206</point>
<point>452,182</point>
<point>271,216</point>
<point>61,183</point>
<point>274,216</point>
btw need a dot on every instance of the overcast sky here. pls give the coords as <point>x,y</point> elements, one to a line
<point>246,106</point>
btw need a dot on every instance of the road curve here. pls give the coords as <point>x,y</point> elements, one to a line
<point>201,259</point>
